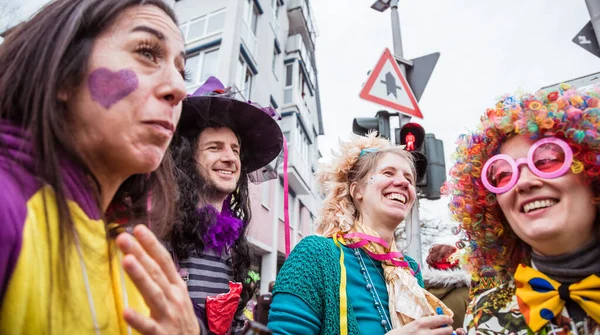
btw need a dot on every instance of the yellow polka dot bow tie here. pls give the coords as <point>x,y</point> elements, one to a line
<point>541,299</point>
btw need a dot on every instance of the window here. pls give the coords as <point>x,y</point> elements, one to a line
<point>201,66</point>
<point>244,79</point>
<point>266,195</point>
<point>216,23</point>
<point>203,26</point>
<point>301,82</point>
<point>291,205</point>
<point>302,144</point>
<point>301,214</point>
<point>275,61</point>
<point>275,17</point>
<point>289,87</point>
<point>251,15</point>
<point>280,209</point>
<point>275,8</point>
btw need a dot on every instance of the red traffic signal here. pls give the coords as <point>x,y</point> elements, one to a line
<point>412,135</point>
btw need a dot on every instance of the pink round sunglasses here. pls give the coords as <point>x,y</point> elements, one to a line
<point>547,158</point>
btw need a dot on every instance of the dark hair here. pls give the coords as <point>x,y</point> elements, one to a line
<point>186,233</point>
<point>49,53</point>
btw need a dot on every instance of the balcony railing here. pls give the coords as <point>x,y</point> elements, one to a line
<point>275,26</point>
<point>299,13</point>
<point>300,163</point>
<point>295,43</point>
<point>298,105</point>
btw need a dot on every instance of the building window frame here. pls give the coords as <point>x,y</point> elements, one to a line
<point>196,79</point>
<point>185,26</point>
<point>276,57</point>
<point>288,88</point>
<point>245,77</point>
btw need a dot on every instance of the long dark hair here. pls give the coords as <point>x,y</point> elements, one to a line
<point>186,233</point>
<point>50,53</point>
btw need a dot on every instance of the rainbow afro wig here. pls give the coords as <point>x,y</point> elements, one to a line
<point>567,113</point>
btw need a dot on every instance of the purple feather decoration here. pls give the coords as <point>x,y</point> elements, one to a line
<point>223,234</point>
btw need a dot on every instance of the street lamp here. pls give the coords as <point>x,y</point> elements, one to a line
<point>381,5</point>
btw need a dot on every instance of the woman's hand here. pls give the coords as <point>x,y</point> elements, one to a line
<point>150,267</point>
<point>427,325</point>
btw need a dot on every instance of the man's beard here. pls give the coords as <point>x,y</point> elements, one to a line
<point>207,189</point>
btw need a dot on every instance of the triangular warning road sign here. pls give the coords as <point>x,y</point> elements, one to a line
<point>386,86</point>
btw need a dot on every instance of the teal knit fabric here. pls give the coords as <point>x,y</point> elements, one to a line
<point>312,273</point>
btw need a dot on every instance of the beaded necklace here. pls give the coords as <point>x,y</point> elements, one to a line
<point>385,321</point>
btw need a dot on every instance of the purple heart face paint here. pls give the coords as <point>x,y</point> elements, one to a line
<point>108,87</point>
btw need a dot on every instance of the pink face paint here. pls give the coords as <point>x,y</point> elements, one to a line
<point>108,87</point>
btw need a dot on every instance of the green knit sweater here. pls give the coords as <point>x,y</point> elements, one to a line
<point>312,273</point>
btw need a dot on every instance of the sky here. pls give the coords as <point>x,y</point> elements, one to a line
<point>487,48</point>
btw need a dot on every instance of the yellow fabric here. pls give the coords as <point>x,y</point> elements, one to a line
<point>33,303</point>
<point>248,314</point>
<point>407,300</point>
<point>343,295</point>
<point>539,298</point>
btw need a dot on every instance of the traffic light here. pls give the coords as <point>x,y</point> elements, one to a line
<point>412,136</point>
<point>381,123</point>
<point>436,167</point>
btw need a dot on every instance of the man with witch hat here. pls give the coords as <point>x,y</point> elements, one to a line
<point>220,145</point>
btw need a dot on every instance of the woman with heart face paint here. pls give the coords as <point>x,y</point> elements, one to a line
<point>353,279</point>
<point>90,95</point>
<point>526,190</point>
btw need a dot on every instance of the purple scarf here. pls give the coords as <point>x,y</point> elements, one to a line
<point>226,229</point>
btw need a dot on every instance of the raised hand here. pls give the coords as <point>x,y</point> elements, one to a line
<point>150,267</point>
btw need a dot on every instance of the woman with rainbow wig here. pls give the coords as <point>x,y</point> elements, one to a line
<point>525,190</point>
<point>353,279</point>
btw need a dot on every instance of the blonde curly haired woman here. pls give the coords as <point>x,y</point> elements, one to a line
<point>352,279</point>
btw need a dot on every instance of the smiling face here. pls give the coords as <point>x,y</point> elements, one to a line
<point>388,193</point>
<point>218,154</point>
<point>553,216</point>
<point>124,113</point>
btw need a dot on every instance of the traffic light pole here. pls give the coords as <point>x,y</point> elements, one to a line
<point>396,35</point>
<point>414,248</point>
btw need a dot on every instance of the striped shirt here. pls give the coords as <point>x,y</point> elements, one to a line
<point>209,275</point>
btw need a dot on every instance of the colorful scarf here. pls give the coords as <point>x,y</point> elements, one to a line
<point>407,300</point>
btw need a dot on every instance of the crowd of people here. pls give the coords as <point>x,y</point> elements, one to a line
<point>124,202</point>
